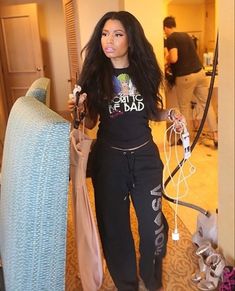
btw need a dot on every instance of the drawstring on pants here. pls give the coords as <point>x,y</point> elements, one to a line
<point>130,156</point>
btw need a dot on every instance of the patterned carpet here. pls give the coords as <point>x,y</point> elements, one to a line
<point>179,263</point>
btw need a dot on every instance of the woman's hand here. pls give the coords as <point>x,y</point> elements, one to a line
<point>80,108</point>
<point>72,102</point>
<point>175,116</point>
<point>77,107</point>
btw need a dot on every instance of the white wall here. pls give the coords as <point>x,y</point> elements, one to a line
<point>55,52</point>
<point>190,18</point>
<point>89,12</point>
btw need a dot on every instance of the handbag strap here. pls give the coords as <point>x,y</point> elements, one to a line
<point>78,116</point>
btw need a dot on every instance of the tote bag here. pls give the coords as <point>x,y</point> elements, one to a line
<point>87,240</point>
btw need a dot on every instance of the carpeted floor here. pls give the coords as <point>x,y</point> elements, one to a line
<point>179,263</point>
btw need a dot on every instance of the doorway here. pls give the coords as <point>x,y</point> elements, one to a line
<point>20,48</point>
<point>195,17</point>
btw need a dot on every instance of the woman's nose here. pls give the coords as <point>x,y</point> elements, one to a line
<point>110,38</point>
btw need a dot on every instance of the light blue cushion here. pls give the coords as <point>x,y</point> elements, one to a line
<point>38,93</point>
<point>40,89</point>
<point>33,205</point>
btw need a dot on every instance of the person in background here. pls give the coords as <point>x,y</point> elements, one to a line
<point>120,81</point>
<point>189,75</point>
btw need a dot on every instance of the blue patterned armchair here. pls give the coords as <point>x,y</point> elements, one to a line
<point>40,89</point>
<point>33,204</point>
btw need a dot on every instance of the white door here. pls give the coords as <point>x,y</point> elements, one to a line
<point>20,49</point>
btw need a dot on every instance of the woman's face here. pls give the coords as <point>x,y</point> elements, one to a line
<point>114,43</point>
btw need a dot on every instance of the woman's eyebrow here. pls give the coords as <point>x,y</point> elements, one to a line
<point>116,30</point>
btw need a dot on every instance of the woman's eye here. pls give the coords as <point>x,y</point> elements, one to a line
<point>104,34</point>
<point>118,34</point>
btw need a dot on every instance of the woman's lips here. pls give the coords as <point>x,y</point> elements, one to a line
<point>109,50</point>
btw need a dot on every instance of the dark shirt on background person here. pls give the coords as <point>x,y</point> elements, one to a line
<point>188,60</point>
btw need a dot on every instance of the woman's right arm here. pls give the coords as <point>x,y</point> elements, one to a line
<point>89,123</point>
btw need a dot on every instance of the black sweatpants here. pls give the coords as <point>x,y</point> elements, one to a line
<point>119,176</point>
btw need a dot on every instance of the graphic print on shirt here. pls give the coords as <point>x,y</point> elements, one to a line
<point>126,99</point>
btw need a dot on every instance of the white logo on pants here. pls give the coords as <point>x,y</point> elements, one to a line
<point>157,206</point>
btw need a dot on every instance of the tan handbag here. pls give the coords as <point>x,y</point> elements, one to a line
<point>87,240</point>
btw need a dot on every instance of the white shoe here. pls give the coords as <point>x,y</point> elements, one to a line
<point>215,264</point>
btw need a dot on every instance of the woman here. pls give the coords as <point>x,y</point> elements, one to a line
<point>120,81</point>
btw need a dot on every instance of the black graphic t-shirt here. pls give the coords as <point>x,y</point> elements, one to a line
<point>124,121</point>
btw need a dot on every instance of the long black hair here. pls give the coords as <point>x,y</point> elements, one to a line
<point>97,71</point>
